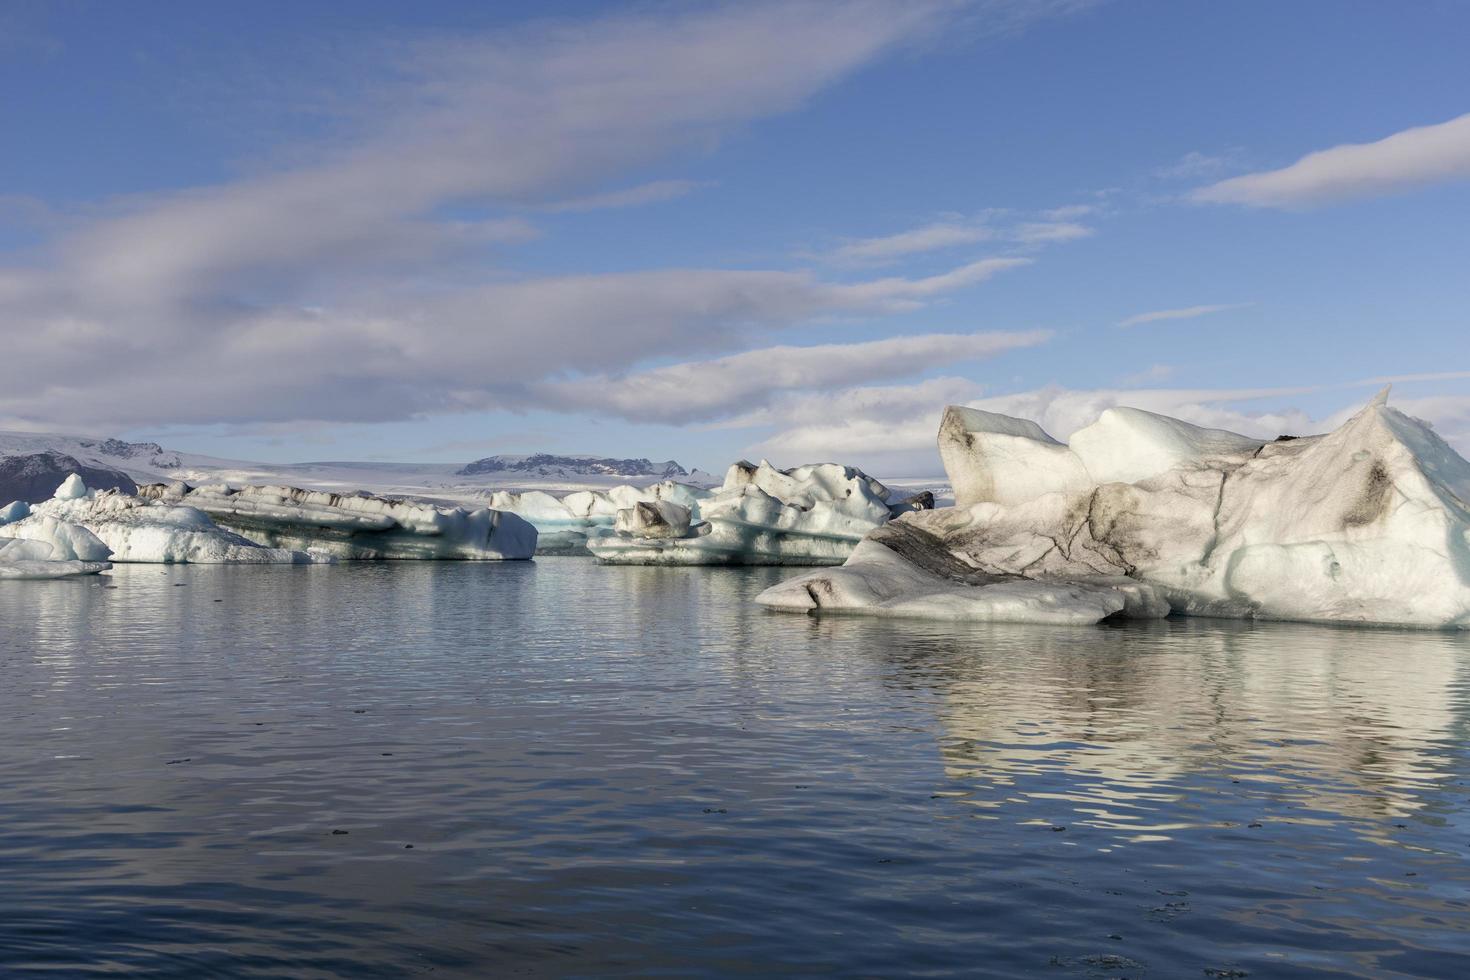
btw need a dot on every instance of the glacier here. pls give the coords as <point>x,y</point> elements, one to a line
<point>761,515</point>
<point>357,526</point>
<point>1141,515</point>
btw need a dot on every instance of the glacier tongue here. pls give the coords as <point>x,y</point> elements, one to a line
<point>1368,524</point>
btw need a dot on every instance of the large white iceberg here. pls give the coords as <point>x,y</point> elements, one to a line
<point>355,526</point>
<point>809,515</point>
<point>1143,515</point>
<point>563,524</point>
<point>136,529</point>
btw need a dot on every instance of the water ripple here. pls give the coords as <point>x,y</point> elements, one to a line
<point>559,769</point>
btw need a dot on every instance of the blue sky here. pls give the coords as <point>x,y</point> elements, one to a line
<point>301,231</point>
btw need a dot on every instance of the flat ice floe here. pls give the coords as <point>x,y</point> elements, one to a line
<point>1143,515</point>
<point>136,529</point>
<point>808,515</point>
<point>354,526</point>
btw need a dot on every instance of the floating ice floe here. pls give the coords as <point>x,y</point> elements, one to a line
<point>1143,515</point>
<point>44,547</point>
<point>563,524</point>
<point>355,526</point>
<point>23,558</point>
<point>136,529</point>
<point>809,515</point>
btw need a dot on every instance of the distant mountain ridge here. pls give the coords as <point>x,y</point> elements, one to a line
<point>95,452</point>
<point>117,448</point>
<point>109,462</point>
<point>547,464</point>
<point>34,477</point>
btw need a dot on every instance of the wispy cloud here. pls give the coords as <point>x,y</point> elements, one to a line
<point>1390,379</point>
<point>741,383</point>
<point>1183,313</point>
<point>335,287</point>
<point>1047,232</point>
<point>886,428</point>
<point>467,349</point>
<point>653,192</point>
<point>1070,212</point>
<point>1195,165</point>
<point>891,429</point>
<point>996,226</point>
<point>928,238</point>
<point>1149,375</point>
<point>1411,158</point>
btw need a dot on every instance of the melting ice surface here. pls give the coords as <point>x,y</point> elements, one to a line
<point>1143,515</point>
<point>761,515</point>
<point>627,770</point>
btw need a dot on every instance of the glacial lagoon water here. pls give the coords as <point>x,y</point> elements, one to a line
<point>555,768</point>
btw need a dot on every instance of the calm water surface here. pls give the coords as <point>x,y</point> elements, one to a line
<point>555,768</point>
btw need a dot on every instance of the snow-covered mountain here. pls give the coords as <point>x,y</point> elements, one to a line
<point>34,477</point>
<point>147,462</point>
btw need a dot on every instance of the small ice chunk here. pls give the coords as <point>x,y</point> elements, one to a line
<point>72,488</point>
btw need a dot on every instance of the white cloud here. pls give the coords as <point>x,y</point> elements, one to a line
<point>1062,411</point>
<point>905,293</point>
<point>887,429</point>
<point>395,357</point>
<point>736,384</point>
<point>653,192</point>
<point>891,430</point>
<point>336,288</point>
<point>1408,159</point>
<point>929,238</point>
<point>1046,232</point>
<point>996,225</point>
<point>1183,313</point>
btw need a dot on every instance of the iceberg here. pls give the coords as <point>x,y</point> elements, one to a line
<point>14,511</point>
<point>134,529</point>
<point>40,546</point>
<point>761,515</point>
<point>27,558</point>
<point>563,524</point>
<point>356,526</point>
<point>1144,515</point>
